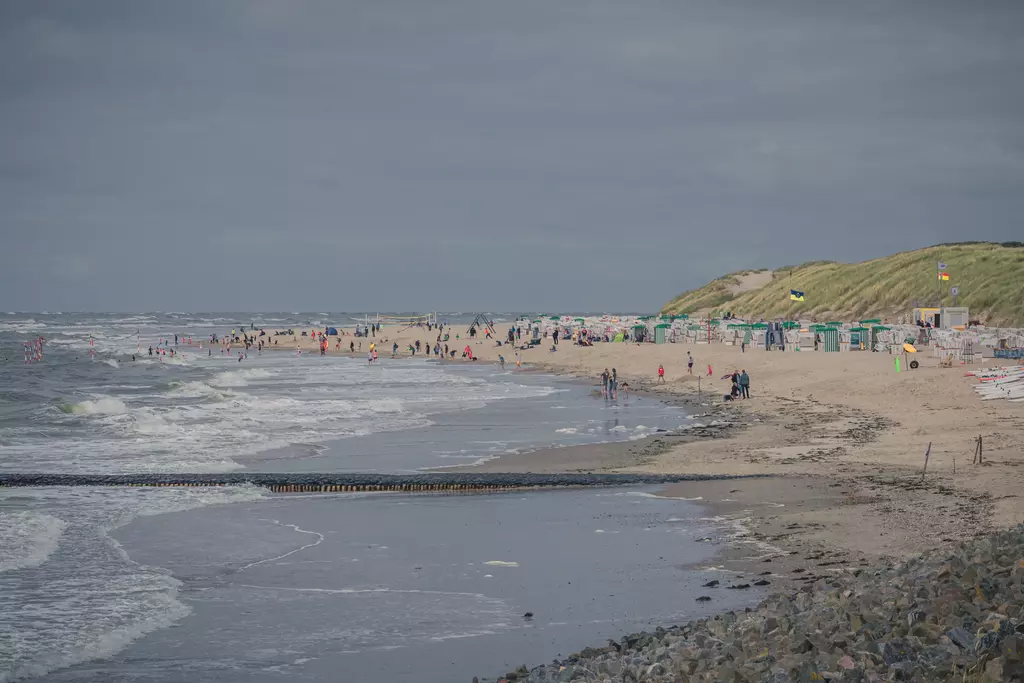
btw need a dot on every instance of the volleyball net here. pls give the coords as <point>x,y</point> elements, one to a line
<point>408,320</point>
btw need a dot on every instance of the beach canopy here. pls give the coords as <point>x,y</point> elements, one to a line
<point>882,327</point>
<point>873,321</point>
<point>662,326</point>
<point>759,326</point>
<point>790,325</point>
<point>859,329</point>
<point>739,326</point>
<point>834,323</point>
<point>580,320</point>
<point>639,327</point>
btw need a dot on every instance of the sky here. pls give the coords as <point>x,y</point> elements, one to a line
<point>522,155</point>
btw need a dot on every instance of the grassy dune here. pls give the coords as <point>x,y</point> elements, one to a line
<point>990,277</point>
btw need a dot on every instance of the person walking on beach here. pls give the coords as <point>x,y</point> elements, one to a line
<point>605,378</point>
<point>689,363</point>
<point>745,384</point>
<point>661,373</point>
<point>519,362</point>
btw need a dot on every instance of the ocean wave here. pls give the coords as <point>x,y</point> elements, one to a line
<point>198,389</point>
<point>240,378</point>
<point>88,600</point>
<point>106,405</point>
<point>28,538</point>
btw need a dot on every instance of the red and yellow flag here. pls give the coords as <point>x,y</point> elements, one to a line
<point>943,276</point>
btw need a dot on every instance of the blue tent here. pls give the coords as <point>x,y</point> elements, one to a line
<point>332,332</point>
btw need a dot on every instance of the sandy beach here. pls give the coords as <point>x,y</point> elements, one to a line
<point>844,434</point>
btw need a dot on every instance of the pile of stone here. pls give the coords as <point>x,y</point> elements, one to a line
<point>946,616</point>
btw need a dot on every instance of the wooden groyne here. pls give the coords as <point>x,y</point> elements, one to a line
<point>347,482</point>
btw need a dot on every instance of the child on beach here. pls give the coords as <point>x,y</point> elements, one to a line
<point>501,361</point>
<point>689,363</point>
<point>661,372</point>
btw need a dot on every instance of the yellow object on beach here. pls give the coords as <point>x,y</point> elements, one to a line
<point>909,348</point>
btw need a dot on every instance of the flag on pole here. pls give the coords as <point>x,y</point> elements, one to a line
<point>942,266</point>
<point>795,295</point>
<point>943,275</point>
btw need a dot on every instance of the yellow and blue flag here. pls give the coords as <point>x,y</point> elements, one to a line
<point>795,295</point>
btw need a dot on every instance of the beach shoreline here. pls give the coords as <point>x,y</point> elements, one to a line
<point>828,422</point>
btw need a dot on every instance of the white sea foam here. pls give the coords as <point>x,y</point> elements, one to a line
<point>501,563</point>
<point>567,430</point>
<point>644,494</point>
<point>28,538</point>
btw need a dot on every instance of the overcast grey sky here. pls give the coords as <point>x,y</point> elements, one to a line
<point>477,154</point>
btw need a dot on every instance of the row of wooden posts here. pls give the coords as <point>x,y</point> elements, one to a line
<point>979,449</point>
<point>334,488</point>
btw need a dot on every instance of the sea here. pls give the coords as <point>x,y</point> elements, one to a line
<point>238,584</point>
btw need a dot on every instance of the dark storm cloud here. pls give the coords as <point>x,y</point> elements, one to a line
<point>478,154</point>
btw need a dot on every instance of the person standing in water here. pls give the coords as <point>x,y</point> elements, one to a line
<point>613,388</point>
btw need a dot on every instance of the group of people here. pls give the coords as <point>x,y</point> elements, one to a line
<point>740,386</point>
<point>610,384</point>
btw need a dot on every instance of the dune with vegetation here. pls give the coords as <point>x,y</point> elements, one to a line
<point>990,277</point>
